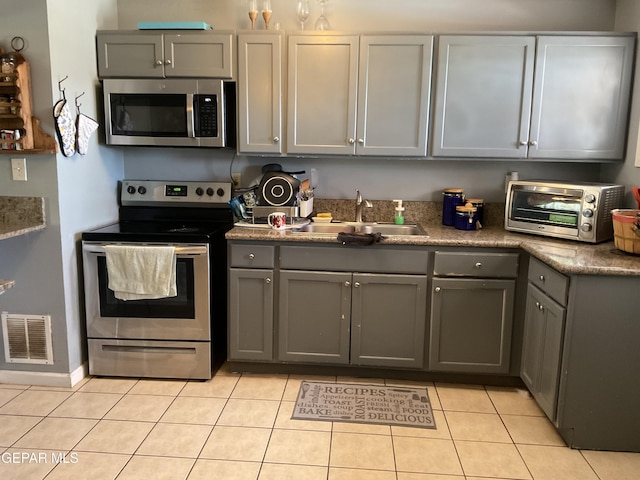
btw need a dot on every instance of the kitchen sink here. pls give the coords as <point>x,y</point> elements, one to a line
<point>352,227</point>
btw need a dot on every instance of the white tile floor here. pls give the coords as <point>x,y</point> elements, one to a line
<point>238,427</point>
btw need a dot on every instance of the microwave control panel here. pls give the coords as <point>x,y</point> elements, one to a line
<point>206,115</point>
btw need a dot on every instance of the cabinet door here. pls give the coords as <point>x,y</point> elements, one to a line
<point>250,314</point>
<point>260,93</point>
<point>130,55</point>
<point>542,349</point>
<point>471,323</point>
<point>388,320</point>
<point>200,54</point>
<point>483,96</point>
<point>581,97</point>
<point>322,86</point>
<point>393,94</point>
<point>314,316</point>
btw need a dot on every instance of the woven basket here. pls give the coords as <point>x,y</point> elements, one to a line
<point>626,232</point>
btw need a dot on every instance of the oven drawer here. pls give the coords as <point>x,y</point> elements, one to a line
<point>143,358</point>
<point>252,256</point>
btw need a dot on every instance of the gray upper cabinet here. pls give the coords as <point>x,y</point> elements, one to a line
<point>490,101</point>
<point>394,84</point>
<point>581,97</point>
<point>149,54</point>
<point>260,92</point>
<point>483,95</point>
<point>354,95</point>
<point>322,87</point>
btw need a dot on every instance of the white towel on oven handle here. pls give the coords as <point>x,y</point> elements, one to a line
<point>141,272</point>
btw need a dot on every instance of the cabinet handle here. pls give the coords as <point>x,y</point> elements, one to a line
<point>267,280</point>
<point>438,289</point>
<point>478,264</point>
<point>540,307</point>
<point>347,284</point>
<point>533,143</point>
<point>361,141</point>
<point>251,256</point>
<point>541,277</point>
<point>276,139</point>
<point>522,143</point>
<point>357,284</point>
<point>351,141</point>
<point>167,62</point>
<point>158,62</point>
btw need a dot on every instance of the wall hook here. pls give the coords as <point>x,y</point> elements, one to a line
<point>78,104</point>
<point>60,87</point>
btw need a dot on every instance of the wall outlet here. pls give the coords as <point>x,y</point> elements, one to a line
<point>236,179</point>
<point>19,169</point>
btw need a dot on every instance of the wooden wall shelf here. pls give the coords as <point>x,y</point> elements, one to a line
<point>18,86</point>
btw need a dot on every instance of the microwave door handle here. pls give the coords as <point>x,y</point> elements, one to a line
<point>190,116</point>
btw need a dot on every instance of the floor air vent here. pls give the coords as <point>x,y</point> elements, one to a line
<point>27,338</point>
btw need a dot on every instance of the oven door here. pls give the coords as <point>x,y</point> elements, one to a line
<point>552,211</point>
<point>187,316</point>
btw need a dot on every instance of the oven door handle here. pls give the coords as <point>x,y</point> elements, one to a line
<point>188,250</point>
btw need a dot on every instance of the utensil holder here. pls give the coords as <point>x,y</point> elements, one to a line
<point>305,207</point>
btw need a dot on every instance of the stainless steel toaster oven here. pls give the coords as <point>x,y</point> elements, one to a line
<point>574,211</point>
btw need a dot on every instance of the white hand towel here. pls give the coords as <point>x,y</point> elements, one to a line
<point>141,272</point>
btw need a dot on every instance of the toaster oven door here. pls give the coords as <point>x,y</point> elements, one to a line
<point>546,210</point>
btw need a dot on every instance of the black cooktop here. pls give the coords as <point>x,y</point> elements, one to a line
<point>156,224</point>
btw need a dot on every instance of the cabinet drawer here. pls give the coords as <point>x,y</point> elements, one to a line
<point>548,280</point>
<point>252,256</point>
<point>346,259</point>
<point>472,264</point>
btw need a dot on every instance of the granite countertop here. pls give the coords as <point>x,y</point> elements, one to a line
<point>5,285</point>
<point>20,215</point>
<point>565,256</point>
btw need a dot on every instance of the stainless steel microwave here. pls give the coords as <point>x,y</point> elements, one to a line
<point>169,112</point>
<point>574,211</point>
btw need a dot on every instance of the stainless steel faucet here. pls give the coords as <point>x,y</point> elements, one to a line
<point>360,206</point>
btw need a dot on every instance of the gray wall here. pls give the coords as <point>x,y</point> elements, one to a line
<point>79,191</point>
<point>382,178</point>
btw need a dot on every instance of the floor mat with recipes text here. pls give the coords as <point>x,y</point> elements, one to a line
<point>360,403</point>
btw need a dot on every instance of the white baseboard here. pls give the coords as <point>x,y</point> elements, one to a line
<point>46,379</point>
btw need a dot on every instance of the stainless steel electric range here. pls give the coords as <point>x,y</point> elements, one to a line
<point>181,336</point>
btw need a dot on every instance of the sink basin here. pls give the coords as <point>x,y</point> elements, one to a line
<point>333,228</point>
<point>351,227</point>
<point>392,229</point>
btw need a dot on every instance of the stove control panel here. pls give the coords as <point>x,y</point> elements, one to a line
<point>178,193</point>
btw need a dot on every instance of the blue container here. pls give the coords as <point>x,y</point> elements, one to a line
<point>451,198</point>
<point>466,218</point>
<point>479,204</point>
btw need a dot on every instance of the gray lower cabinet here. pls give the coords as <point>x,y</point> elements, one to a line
<point>542,348</point>
<point>471,322</point>
<point>250,314</point>
<point>251,302</point>
<point>472,317</point>
<point>352,318</point>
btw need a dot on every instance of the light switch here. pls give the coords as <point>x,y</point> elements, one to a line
<point>19,169</point>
